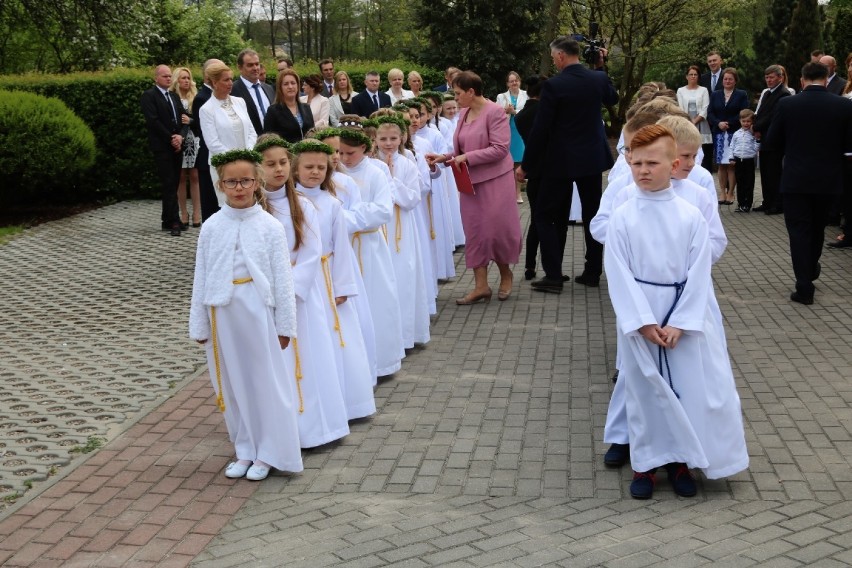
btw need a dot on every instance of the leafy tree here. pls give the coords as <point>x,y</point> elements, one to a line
<point>193,33</point>
<point>491,38</point>
<point>842,34</point>
<point>803,37</point>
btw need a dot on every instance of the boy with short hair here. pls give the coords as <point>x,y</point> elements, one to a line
<point>682,406</point>
<point>744,148</point>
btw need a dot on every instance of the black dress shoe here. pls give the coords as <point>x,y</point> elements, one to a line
<point>802,299</point>
<point>842,243</point>
<point>742,209</point>
<point>617,455</point>
<point>548,285</point>
<point>175,230</point>
<point>773,211</point>
<point>529,274</point>
<point>586,280</point>
<point>615,376</point>
<point>761,209</point>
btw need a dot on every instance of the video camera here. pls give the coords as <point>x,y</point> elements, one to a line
<point>593,44</point>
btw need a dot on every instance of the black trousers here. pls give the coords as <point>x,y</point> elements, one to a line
<point>846,200</point>
<point>806,216</point>
<point>707,160</point>
<point>168,170</point>
<point>744,170</point>
<point>533,185</point>
<point>552,208</point>
<point>770,178</point>
<point>209,201</point>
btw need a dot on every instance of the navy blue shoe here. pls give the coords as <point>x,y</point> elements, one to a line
<point>681,479</point>
<point>617,455</point>
<point>642,486</point>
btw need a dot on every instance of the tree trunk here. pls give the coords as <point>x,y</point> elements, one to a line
<point>549,34</point>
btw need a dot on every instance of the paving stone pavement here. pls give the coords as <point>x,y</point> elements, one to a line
<point>487,451</point>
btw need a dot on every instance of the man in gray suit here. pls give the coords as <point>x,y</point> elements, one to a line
<point>258,95</point>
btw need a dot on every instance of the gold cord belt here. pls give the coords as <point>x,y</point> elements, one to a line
<point>431,220</point>
<point>398,227</point>
<point>298,375</point>
<point>220,399</point>
<point>356,236</point>
<point>326,272</point>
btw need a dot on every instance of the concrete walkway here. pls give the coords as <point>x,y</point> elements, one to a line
<point>486,450</point>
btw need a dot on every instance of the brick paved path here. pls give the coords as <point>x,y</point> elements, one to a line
<point>487,450</point>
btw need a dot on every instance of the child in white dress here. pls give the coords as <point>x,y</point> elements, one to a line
<point>312,173</point>
<point>322,413</point>
<point>243,309</point>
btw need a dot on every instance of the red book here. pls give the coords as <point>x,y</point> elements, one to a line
<point>461,173</point>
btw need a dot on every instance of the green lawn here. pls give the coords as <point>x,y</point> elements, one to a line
<point>7,233</point>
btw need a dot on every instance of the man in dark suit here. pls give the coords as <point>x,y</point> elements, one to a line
<point>327,70</point>
<point>258,95</point>
<point>568,144</point>
<point>168,124</point>
<point>449,74</point>
<point>836,83</point>
<point>371,99</point>
<point>209,201</point>
<point>813,131</point>
<point>712,81</point>
<point>770,161</point>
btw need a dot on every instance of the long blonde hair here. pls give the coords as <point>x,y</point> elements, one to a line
<point>175,88</point>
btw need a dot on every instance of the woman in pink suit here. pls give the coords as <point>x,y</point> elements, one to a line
<point>492,226</point>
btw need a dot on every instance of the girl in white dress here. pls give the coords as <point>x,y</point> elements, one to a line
<point>367,226</point>
<point>403,236</point>
<point>349,195</point>
<point>322,414</point>
<point>243,309</point>
<point>312,173</point>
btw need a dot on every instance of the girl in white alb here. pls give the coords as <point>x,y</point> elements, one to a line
<point>322,413</point>
<point>243,309</point>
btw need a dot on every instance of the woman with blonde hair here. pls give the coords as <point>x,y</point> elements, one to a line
<point>185,88</point>
<point>340,102</point>
<point>396,92</point>
<point>225,123</point>
<point>415,83</point>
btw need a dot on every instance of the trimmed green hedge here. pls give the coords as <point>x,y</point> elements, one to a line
<point>41,141</point>
<point>109,103</point>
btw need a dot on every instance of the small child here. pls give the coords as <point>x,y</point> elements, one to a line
<point>404,237</point>
<point>682,406</point>
<point>312,173</point>
<point>322,414</point>
<point>744,148</point>
<point>243,308</point>
<point>367,226</point>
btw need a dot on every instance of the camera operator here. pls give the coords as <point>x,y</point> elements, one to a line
<point>568,144</point>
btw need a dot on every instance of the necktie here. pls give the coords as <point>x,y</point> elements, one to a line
<point>260,106</point>
<point>328,89</point>
<point>376,101</point>
<point>171,105</point>
<point>713,82</point>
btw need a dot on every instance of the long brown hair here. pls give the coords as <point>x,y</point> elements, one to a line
<point>297,214</point>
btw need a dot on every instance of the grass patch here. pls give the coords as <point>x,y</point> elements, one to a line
<point>6,233</point>
<point>92,444</point>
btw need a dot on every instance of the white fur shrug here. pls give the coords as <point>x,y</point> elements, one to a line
<point>263,243</point>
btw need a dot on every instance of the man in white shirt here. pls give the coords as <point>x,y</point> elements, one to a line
<point>258,95</point>
<point>712,81</point>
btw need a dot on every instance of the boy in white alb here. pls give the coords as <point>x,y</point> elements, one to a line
<point>682,406</point>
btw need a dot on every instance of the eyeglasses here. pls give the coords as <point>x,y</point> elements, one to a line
<point>624,150</point>
<point>246,183</point>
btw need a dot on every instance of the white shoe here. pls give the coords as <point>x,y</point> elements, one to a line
<point>257,472</point>
<point>236,470</point>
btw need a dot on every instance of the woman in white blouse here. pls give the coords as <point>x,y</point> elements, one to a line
<point>693,99</point>
<point>396,92</point>
<point>313,87</point>
<point>224,120</point>
<point>341,101</point>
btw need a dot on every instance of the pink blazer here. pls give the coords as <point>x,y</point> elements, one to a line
<point>486,143</point>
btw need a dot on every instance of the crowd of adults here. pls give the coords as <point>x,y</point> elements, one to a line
<point>564,148</point>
